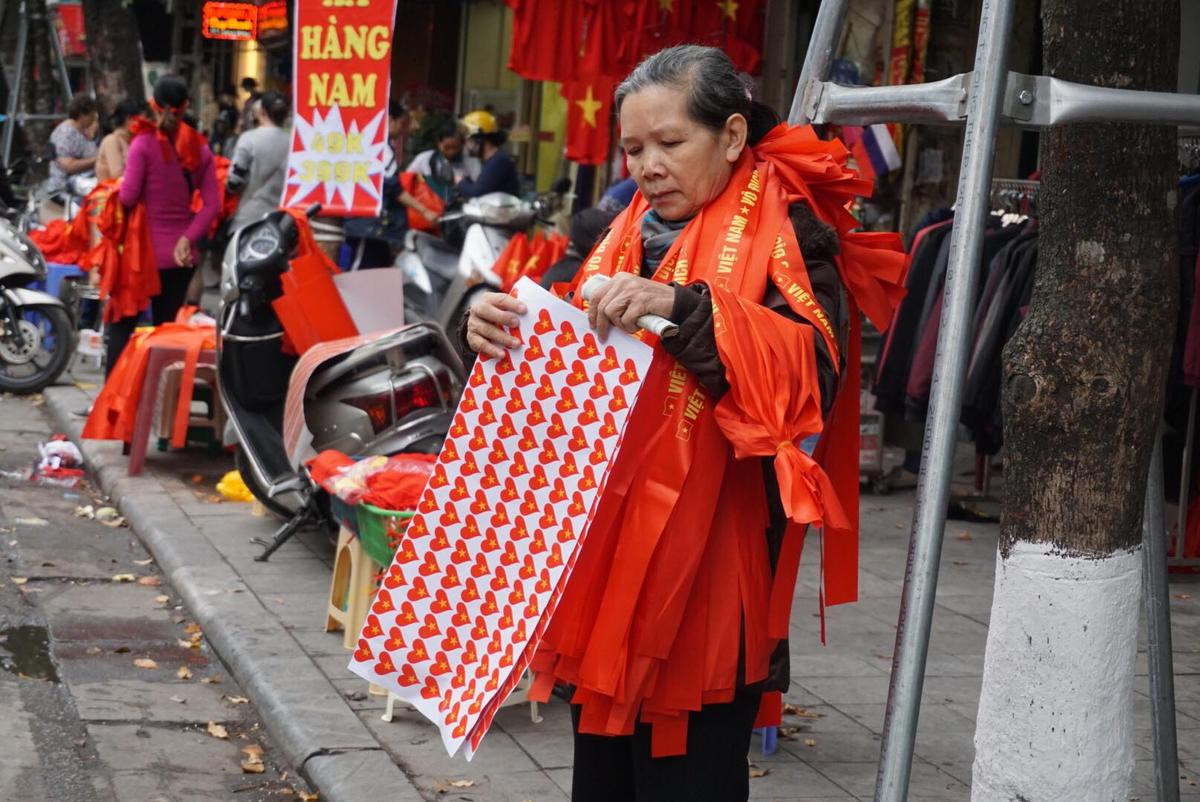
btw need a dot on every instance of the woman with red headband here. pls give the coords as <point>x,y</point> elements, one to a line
<point>168,162</point>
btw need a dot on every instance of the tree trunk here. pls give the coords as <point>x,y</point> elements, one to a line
<point>40,87</point>
<point>114,51</point>
<point>1083,394</point>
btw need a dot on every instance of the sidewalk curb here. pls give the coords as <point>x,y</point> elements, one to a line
<point>315,730</point>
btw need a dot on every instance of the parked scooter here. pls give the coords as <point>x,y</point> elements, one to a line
<point>383,393</point>
<point>441,281</point>
<point>37,337</point>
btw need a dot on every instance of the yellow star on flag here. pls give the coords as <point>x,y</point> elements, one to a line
<point>729,8</point>
<point>589,105</point>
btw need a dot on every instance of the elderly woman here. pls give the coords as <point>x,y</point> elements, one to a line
<point>672,629</point>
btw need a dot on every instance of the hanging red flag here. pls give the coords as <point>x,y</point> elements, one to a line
<point>547,39</point>
<point>589,109</point>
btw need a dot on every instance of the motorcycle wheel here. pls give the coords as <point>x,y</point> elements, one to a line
<point>242,463</point>
<point>49,340</point>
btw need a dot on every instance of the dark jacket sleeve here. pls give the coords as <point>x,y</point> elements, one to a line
<point>695,345</point>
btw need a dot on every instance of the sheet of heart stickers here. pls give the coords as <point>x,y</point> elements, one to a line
<point>485,559</point>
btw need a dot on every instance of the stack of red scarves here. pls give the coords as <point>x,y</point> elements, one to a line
<point>675,582</point>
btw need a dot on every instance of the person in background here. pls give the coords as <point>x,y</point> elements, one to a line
<point>399,128</point>
<point>167,161</point>
<point>586,228</point>
<point>619,195</point>
<point>250,87</point>
<point>74,143</point>
<point>114,148</point>
<point>445,165</point>
<point>485,141</point>
<point>260,161</point>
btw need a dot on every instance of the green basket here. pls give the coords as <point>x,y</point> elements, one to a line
<point>380,531</point>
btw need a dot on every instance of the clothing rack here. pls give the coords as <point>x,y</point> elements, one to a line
<point>1016,195</point>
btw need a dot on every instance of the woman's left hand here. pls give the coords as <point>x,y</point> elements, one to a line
<point>625,298</point>
<point>183,253</point>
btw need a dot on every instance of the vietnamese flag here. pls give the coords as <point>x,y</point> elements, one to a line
<point>511,260</point>
<point>547,39</point>
<point>589,112</point>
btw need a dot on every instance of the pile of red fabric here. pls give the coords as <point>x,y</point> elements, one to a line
<point>390,483</point>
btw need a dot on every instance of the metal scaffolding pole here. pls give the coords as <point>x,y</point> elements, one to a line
<point>1156,595</point>
<point>984,102</point>
<point>826,30</point>
<point>14,87</point>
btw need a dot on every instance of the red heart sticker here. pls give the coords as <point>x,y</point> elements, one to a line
<point>480,503</point>
<point>505,365</point>
<point>509,557</point>
<point>418,590</point>
<point>428,502</point>
<point>530,504</point>
<point>577,507</point>
<point>579,441</point>
<point>469,654</point>
<point>451,642</point>
<point>538,544</point>
<point>559,493</point>
<point>557,362</point>
<point>519,468</point>
<point>507,659</point>
<point>407,676</point>
<point>519,635</point>
<point>507,427</point>
<point>459,679</point>
<point>568,467</point>
<point>460,731</point>
<point>566,401</point>
<point>477,379</point>
<point>494,681</point>
<point>431,689</point>
<point>408,614</point>
<point>416,529</point>
<point>485,661</point>
<point>480,630</point>
<point>539,479</point>
<point>525,374</point>
<point>545,389</point>
<point>589,348</point>
<point>501,517</point>
<point>578,374</point>
<point>439,472</point>
<point>449,452</point>
<point>548,519</point>
<point>418,654</point>
<point>528,569</point>
<point>499,579</point>
<point>567,533</point>
<point>395,641</point>
<point>618,400</point>
<point>481,567</point>
<point>509,493</point>
<point>459,491</point>
<point>441,602</point>
<point>451,580</point>
<point>498,454</point>
<point>453,714</point>
<point>518,592</point>
<point>495,389</point>
<point>460,619</point>
<point>557,427</point>
<point>531,609</point>
<point>490,479</point>
<point>630,374</point>
<point>441,665</point>
<point>543,584</point>
<point>589,414</point>
<point>543,324</point>
<point>536,415</point>
<point>373,629</point>
<point>477,704</point>
<point>385,666</point>
<point>383,603</point>
<point>489,604</point>
<point>610,361</point>
<point>439,541</point>
<point>519,530</point>
<point>363,653</point>
<point>599,388</point>
<point>430,566</point>
<point>487,415</point>
<point>527,442</point>
<point>395,577</point>
<point>490,541</point>
<point>506,618</point>
<point>533,349</point>
<point>548,454</point>
<point>566,335</point>
<point>588,480</point>
<point>447,700</point>
<point>470,591</point>
<point>555,559</point>
<point>598,455</point>
<point>516,401</point>
<point>468,402</point>
<point>609,429</point>
<point>469,465</point>
<point>449,515</point>
<point>478,441</point>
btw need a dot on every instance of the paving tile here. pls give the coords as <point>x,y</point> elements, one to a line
<point>927,781</point>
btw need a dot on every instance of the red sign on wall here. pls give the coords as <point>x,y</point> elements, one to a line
<point>69,26</point>
<point>234,21</point>
<point>340,91</point>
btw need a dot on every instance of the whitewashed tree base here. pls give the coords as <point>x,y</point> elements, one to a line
<point>1056,709</point>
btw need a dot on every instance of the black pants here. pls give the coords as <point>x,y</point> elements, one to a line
<point>608,769</point>
<point>163,308</point>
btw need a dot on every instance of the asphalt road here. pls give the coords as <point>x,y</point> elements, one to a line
<point>110,692</point>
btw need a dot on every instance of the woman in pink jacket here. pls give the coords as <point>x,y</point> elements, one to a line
<point>168,162</point>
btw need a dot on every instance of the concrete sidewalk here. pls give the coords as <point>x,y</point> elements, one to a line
<point>265,621</point>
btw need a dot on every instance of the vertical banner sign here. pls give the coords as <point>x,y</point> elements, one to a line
<point>342,78</point>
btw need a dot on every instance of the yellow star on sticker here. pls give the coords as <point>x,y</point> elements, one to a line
<point>589,105</point>
<point>729,8</point>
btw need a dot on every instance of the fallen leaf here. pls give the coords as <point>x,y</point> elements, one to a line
<point>218,731</point>
<point>305,796</point>
<point>115,523</point>
<point>197,478</point>
<point>87,511</point>
<point>123,577</point>
<point>93,650</point>
<point>756,772</point>
<point>179,700</point>
<point>253,763</point>
<point>85,385</point>
<point>802,712</point>
<point>810,742</point>
<point>146,561</point>
<point>184,672</point>
<point>192,628</point>
<point>162,599</point>
<point>183,644</point>
<point>964,535</point>
<point>18,580</point>
<point>237,700</point>
<point>150,581</point>
<point>250,767</point>
<point>461,783</point>
<point>211,680</point>
<point>145,662</point>
<point>107,514</point>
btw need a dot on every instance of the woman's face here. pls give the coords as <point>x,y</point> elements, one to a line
<point>678,163</point>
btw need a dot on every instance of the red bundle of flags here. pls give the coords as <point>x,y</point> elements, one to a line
<point>523,257</point>
<point>590,45</point>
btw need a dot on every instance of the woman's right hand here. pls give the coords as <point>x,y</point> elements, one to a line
<point>487,319</point>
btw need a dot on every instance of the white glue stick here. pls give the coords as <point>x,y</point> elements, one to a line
<point>655,324</point>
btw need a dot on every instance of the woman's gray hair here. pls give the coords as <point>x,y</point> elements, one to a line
<point>714,89</point>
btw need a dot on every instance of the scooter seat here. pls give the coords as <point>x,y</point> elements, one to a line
<point>436,255</point>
